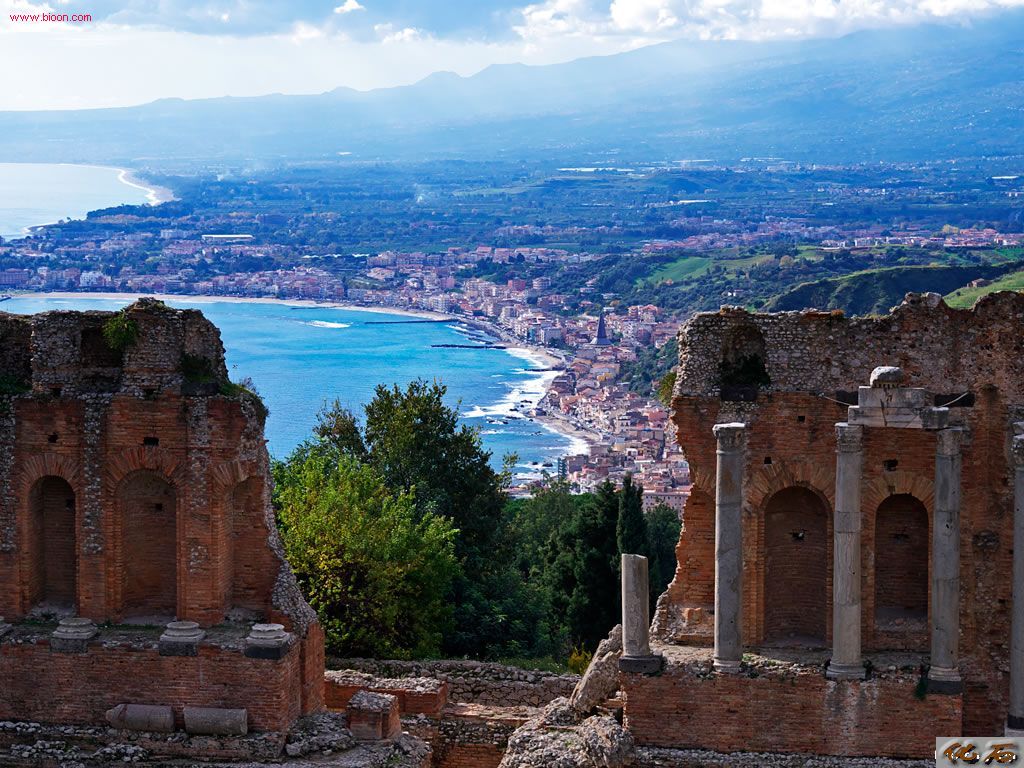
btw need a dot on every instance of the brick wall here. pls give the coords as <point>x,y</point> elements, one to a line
<point>812,359</point>
<point>130,489</point>
<point>79,688</point>
<point>690,707</point>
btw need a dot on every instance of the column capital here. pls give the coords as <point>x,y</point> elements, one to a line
<point>950,441</point>
<point>731,436</point>
<point>849,437</point>
<point>1018,451</point>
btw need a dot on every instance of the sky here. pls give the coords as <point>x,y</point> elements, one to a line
<point>136,51</point>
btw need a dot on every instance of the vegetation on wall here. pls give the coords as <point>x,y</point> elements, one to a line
<point>120,331</point>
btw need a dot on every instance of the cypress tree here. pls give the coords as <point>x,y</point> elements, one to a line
<point>631,531</point>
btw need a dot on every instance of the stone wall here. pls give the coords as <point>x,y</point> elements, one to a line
<point>154,469</point>
<point>473,682</point>
<point>791,377</point>
<point>782,707</point>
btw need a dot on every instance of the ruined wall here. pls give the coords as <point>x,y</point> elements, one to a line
<point>473,682</point>
<point>161,469</point>
<point>690,707</point>
<point>813,363</point>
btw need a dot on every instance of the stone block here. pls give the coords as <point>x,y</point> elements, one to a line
<point>211,721</point>
<point>373,716</point>
<point>4,628</point>
<point>181,638</point>
<point>73,635</point>
<point>267,641</point>
<point>141,717</point>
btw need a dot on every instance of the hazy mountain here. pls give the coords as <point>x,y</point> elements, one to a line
<point>923,92</point>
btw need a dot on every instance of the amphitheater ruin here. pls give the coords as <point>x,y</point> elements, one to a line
<point>844,587</point>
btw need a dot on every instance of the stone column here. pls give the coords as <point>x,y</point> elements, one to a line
<point>1015,718</point>
<point>944,675</point>
<point>729,545</point>
<point>846,607</point>
<point>636,618</point>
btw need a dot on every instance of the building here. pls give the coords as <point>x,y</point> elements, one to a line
<point>134,493</point>
<point>850,537</point>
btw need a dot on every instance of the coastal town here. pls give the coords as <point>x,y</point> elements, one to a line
<point>593,295</point>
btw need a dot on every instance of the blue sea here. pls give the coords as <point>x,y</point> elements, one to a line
<point>37,193</point>
<point>300,357</point>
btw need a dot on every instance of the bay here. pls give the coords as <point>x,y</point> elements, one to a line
<point>32,194</point>
<point>300,357</point>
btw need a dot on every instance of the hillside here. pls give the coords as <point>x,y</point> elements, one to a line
<point>904,93</point>
<point>876,291</point>
<point>965,297</point>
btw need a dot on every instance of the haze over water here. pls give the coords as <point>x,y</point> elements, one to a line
<point>302,357</point>
<point>34,193</point>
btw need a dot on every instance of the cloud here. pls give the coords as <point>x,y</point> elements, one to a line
<point>388,34</point>
<point>651,20</point>
<point>348,6</point>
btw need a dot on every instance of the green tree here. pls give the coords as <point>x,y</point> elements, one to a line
<point>376,570</point>
<point>631,531</point>
<point>663,528</point>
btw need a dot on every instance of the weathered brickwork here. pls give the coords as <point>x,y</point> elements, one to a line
<point>134,487</point>
<point>473,682</point>
<point>814,361</point>
<point>784,707</point>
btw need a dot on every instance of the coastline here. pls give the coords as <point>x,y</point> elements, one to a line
<point>543,359</point>
<point>155,194</point>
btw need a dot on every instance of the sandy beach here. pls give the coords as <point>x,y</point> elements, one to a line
<point>154,194</point>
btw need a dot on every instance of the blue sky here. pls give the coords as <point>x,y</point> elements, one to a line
<point>133,51</point>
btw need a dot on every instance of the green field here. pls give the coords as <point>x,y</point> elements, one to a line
<point>965,297</point>
<point>688,266</point>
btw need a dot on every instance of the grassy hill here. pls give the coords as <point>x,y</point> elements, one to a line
<point>875,291</point>
<point>965,297</point>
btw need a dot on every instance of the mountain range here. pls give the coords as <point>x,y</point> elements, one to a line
<point>905,94</point>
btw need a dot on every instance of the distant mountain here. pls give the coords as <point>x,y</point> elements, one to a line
<point>905,94</point>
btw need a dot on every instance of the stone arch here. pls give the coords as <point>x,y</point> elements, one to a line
<point>889,484</point>
<point>143,458</point>
<point>797,561</point>
<point>901,563</point>
<point>147,506</point>
<point>48,464</point>
<point>52,545</point>
<point>769,479</point>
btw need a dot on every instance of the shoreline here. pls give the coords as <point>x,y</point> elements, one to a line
<point>542,358</point>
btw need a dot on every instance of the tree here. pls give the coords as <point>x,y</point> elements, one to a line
<point>663,528</point>
<point>631,531</point>
<point>376,570</point>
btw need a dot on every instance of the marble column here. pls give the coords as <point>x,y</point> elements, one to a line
<point>1015,718</point>
<point>636,618</point>
<point>729,545</point>
<point>944,675</point>
<point>846,605</point>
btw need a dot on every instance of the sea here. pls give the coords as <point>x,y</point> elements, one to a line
<point>38,193</point>
<point>302,357</point>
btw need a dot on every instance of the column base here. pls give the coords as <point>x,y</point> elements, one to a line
<point>727,666</point>
<point>1015,726</point>
<point>945,681</point>
<point>846,671</point>
<point>641,665</point>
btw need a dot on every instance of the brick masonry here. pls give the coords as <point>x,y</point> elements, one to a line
<point>814,359</point>
<point>135,484</point>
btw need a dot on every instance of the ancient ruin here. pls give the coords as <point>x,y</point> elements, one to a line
<point>149,610</point>
<point>847,557</point>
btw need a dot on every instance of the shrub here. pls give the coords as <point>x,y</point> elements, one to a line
<point>120,332</point>
<point>579,660</point>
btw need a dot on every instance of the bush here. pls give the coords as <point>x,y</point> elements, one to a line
<point>579,660</point>
<point>120,332</point>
